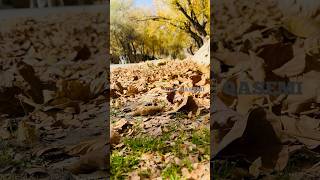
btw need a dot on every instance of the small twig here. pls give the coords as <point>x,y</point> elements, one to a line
<point>24,110</point>
<point>310,111</point>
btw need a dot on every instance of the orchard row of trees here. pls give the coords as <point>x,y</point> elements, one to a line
<point>172,28</point>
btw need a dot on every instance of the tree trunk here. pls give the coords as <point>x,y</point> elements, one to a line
<point>193,20</point>
<point>196,37</point>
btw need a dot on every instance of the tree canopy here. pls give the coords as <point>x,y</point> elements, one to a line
<point>172,28</point>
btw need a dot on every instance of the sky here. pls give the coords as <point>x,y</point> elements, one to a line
<point>143,3</point>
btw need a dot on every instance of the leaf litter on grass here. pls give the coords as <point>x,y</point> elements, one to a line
<point>163,124</point>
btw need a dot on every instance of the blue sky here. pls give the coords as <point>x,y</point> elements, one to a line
<point>143,3</point>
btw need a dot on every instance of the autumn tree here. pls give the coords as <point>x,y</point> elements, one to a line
<point>165,31</point>
<point>189,16</point>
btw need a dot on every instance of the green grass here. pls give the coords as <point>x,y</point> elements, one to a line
<point>7,155</point>
<point>144,144</point>
<point>180,116</point>
<point>6,159</point>
<point>120,165</point>
<point>138,145</point>
<point>176,149</point>
<point>145,173</point>
<point>202,139</point>
<point>223,170</point>
<point>171,172</point>
<point>186,162</point>
<point>114,112</point>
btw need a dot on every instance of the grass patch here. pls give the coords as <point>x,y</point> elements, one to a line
<point>201,137</point>
<point>7,155</point>
<point>145,173</point>
<point>176,149</point>
<point>223,169</point>
<point>6,159</point>
<point>186,162</point>
<point>144,144</point>
<point>180,116</point>
<point>171,172</point>
<point>173,141</point>
<point>120,165</point>
<point>114,112</point>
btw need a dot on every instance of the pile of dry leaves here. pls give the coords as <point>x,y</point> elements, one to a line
<point>167,101</point>
<point>52,94</point>
<point>267,76</point>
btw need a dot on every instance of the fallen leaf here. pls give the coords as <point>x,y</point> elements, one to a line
<point>302,26</point>
<point>92,161</point>
<point>188,105</point>
<point>147,110</point>
<point>86,146</point>
<point>254,169</point>
<point>294,67</point>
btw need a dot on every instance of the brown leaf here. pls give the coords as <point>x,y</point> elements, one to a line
<point>48,152</point>
<point>254,169</point>
<point>275,55</point>
<point>283,159</point>
<point>309,85</point>
<point>27,133</point>
<point>147,110</point>
<point>93,161</point>
<point>227,126</point>
<point>231,58</point>
<point>114,137</point>
<point>4,133</point>
<point>83,53</point>
<point>74,90</point>
<point>195,78</point>
<point>302,26</point>
<point>304,130</point>
<point>294,67</point>
<point>29,75</point>
<point>132,90</point>
<point>86,146</point>
<point>188,105</point>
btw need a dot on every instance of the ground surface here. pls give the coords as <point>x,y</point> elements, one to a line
<point>162,134</point>
<point>53,101</point>
<point>264,134</point>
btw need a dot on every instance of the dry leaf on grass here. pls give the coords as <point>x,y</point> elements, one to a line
<point>114,137</point>
<point>147,110</point>
<point>92,161</point>
<point>86,146</point>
